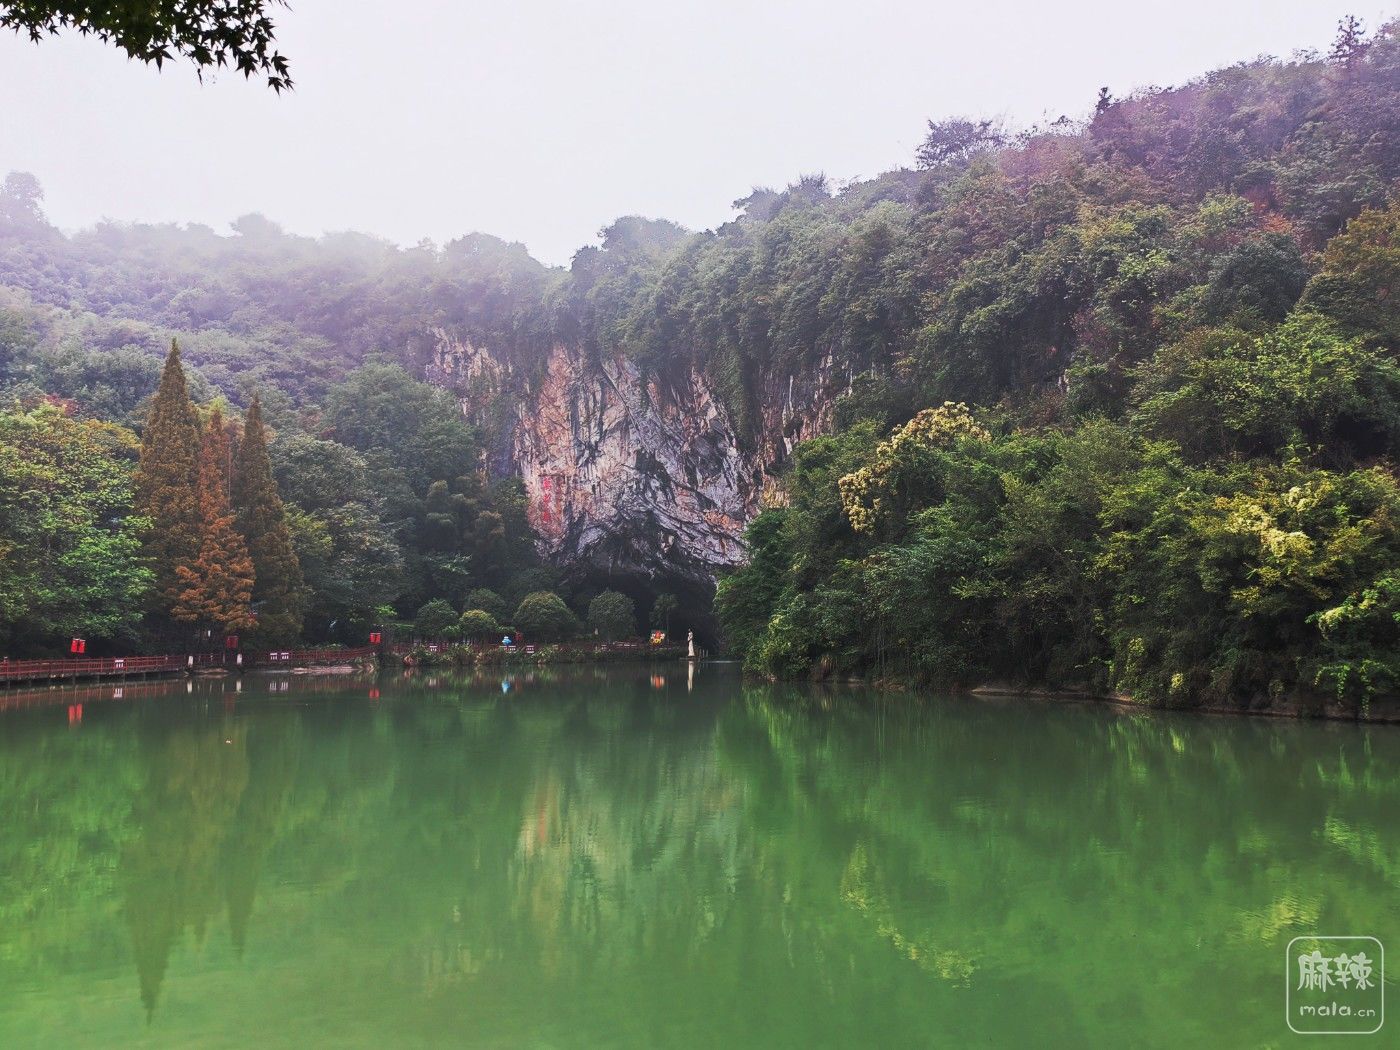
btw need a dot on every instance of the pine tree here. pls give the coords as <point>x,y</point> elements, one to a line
<point>217,590</point>
<point>166,481</point>
<point>279,593</point>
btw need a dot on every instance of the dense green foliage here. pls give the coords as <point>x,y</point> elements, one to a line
<point>489,602</point>
<point>167,481</point>
<point>457,531</point>
<point>278,590</point>
<point>542,616</point>
<point>393,514</point>
<point>387,504</point>
<point>349,557</point>
<point>69,541</point>
<point>665,606</point>
<point>612,616</point>
<point>478,625</point>
<point>1178,329</point>
<point>1098,557</point>
<point>436,619</point>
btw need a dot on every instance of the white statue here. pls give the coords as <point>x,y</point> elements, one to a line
<point>690,643</point>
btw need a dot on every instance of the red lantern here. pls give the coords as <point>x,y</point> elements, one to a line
<point>231,641</point>
<point>374,637</point>
<point>77,646</point>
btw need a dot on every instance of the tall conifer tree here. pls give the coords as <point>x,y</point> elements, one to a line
<point>217,589</point>
<point>279,593</point>
<point>167,479</point>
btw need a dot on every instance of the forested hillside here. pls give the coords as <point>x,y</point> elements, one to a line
<point>1110,403</point>
<point>1139,434</point>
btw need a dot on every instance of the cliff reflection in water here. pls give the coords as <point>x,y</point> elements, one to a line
<point>598,856</point>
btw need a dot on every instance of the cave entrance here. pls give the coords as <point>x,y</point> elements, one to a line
<point>694,600</point>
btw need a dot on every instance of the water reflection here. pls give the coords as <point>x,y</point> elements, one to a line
<point>584,855</point>
<point>205,819</point>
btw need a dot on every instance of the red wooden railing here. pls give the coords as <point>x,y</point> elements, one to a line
<point>85,667</point>
<point>121,666</point>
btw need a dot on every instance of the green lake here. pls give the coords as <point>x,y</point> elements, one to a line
<point>646,857</point>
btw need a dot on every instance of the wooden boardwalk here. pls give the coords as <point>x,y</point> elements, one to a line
<point>70,669</point>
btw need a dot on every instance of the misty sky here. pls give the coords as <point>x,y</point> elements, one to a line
<point>542,120</point>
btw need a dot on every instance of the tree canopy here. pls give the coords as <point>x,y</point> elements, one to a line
<point>70,542</point>
<point>611,616</point>
<point>167,480</point>
<point>542,616</point>
<point>278,590</point>
<point>210,34</point>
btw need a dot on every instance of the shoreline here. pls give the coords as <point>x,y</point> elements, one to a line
<point>1383,712</point>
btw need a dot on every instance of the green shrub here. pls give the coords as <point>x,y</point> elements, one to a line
<point>542,616</point>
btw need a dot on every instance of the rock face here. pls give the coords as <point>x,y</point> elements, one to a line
<point>626,476</point>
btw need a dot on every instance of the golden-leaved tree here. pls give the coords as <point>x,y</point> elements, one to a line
<point>217,589</point>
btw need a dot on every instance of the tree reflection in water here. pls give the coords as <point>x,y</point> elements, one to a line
<point>594,856</point>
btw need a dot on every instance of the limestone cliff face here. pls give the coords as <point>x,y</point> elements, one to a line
<point>625,475</point>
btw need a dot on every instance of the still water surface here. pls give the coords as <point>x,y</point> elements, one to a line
<point>638,858</point>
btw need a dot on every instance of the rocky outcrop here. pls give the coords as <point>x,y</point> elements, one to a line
<point>627,475</point>
<point>623,475</point>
